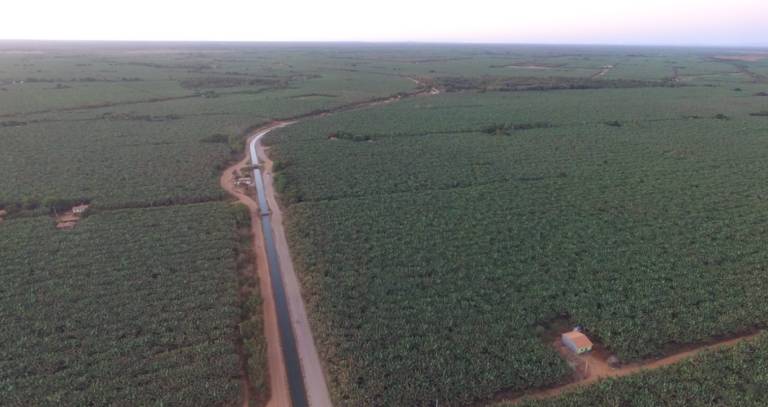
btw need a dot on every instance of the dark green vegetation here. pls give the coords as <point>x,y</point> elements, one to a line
<point>137,127</point>
<point>139,305</point>
<point>132,307</point>
<point>437,237</point>
<point>437,252</point>
<point>504,84</point>
<point>732,377</point>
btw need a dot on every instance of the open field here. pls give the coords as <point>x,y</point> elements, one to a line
<point>440,240</point>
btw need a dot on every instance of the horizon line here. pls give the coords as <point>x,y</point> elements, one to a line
<point>387,42</point>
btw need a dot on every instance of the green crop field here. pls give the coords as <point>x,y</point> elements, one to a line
<point>440,239</point>
<point>130,308</point>
<point>141,305</point>
<point>126,130</point>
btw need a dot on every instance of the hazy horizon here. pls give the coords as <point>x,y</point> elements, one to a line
<point>737,23</point>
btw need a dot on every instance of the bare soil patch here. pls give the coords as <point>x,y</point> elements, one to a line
<point>603,71</point>
<point>69,219</point>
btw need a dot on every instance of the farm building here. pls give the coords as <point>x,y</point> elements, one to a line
<point>576,342</point>
<point>79,209</point>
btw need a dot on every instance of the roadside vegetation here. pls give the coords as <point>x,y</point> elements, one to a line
<point>253,348</point>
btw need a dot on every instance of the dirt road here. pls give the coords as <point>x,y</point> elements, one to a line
<point>314,375</point>
<point>277,376</point>
<point>268,232</point>
<point>269,211</point>
<point>603,71</point>
<point>599,369</point>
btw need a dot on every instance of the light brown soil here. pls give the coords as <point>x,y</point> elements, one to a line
<point>65,225</point>
<point>277,376</point>
<point>67,220</point>
<point>427,85</point>
<point>67,217</point>
<point>603,71</point>
<point>592,367</point>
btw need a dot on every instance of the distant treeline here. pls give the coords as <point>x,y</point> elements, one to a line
<point>463,83</point>
<point>37,206</point>
<point>84,79</point>
<point>507,128</point>
<point>226,82</point>
<point>143,117</point>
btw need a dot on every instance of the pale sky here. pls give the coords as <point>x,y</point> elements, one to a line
<point>674,22</point>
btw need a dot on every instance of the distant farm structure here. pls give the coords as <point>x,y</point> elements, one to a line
<point>577,342</point>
